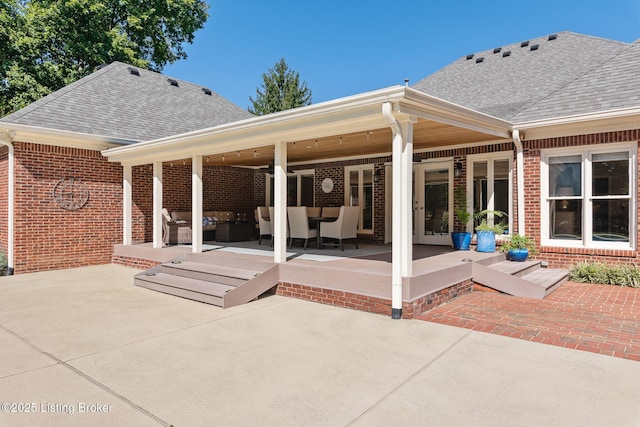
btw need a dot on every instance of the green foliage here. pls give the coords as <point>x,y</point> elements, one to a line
<point>3,261</point>
<point>484,223</point>
<point>281,90</point>
<point>55,42</point>
<point>516,241</point>
<point>460,207</point>
<point>601,273</point>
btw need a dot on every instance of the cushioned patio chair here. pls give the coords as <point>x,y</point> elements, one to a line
<point>264,222</point>
<point>299,225</point>
<point>175,232</point>
<point>345,227</point>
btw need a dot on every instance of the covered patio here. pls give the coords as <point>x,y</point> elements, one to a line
<point>353,278</point>
<point>396,122</point>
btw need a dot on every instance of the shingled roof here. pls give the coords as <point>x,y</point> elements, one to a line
<point>125,102</point>
<point>532,79</point>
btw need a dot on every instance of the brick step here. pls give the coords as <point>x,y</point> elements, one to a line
<point>209,272</point>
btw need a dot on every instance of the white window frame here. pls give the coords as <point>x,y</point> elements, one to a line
<point>299,174</point>
<point>586,153</point>
<point>347,176</point>
<point>490,158</point>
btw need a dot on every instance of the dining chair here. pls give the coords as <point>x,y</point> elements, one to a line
<point>299,225</point>
<point>345,227</point>
<point>264,222</point>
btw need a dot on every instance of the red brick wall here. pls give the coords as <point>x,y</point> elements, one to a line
<point>49,237</point>
<point>371,304</point>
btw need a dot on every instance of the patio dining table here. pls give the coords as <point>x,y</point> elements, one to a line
<point>318,220</point>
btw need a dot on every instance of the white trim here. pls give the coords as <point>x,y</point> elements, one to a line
<point>127,203</point>
<point>157,204</point>
<point>490,158</point>
<point>64,138</point>
<point>586,152</point>
<point>347,194</point>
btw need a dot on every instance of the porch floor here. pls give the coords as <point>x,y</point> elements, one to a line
<point>365,271</point>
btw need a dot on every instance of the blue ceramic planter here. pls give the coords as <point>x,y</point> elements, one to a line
<point>518,254</point>
<point>461,240</point>
<point>486,241</point>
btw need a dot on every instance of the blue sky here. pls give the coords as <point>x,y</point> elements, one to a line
<point>346,47</point>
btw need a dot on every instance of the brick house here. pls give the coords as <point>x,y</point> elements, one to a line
<point>545,130</point>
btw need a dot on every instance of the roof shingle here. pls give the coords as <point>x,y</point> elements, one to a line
<point>117,103</point>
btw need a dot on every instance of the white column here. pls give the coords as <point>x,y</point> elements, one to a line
<point>127,201</point>
<point>196,203</point>
<point>407,197</point>
<point>279,220</point>
<point>396,228</point>
<point>157,204</point>
<point>402,205</point>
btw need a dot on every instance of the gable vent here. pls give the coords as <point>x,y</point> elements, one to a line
<point>133,71</point>
<point>470,56</point>
<point>206,91</point>
<point>524,44</point>
<point>506,53</point>
<point>553,37</point>
<point>173,82</point>
<point>479,60</point>
<point>534,47</point>
<point>497,50</point>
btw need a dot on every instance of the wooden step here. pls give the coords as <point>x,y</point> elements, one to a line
<point>198,290</point>
<point>514,268</point>
<point>548,278</point>
<point>209,272</point>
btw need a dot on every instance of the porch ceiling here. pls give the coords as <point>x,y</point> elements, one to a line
<point>427,135</point>
<point>348,127</point>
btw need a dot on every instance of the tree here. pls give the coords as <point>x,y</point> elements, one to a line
<point>281,90</point>
<point>60,41</point>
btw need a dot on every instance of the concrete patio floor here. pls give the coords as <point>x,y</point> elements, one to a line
<point>86,339</point>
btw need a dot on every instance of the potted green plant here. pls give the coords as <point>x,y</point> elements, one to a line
<point>486,232</point>
<point>518,248</point>
<point>461,238</point>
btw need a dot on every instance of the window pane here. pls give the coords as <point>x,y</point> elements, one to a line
<point>479,186</point>
<point>292,191</point>
<point>306,190</point>
<point>611,220</point>
<point>367,205</point>
<point>501,190</point>
<point>566,219</point>
<point>353,188</point>
<point>610,174</point>
<point>436,201</point>
<point>565,176</point>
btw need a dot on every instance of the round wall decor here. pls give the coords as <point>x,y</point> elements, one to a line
<point>327,185</point>
<point>70,193</point>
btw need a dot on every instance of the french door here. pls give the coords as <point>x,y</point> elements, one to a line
<point>433,203</point>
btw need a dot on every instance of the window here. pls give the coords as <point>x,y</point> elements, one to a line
<point>300,188</point>
<point>359,192</point>
<point>490,182</point>
<point>587,196</point>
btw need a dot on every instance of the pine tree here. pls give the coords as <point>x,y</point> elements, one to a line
<point>281,90</point>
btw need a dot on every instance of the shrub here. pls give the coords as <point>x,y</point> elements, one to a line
<point>601,273</point>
